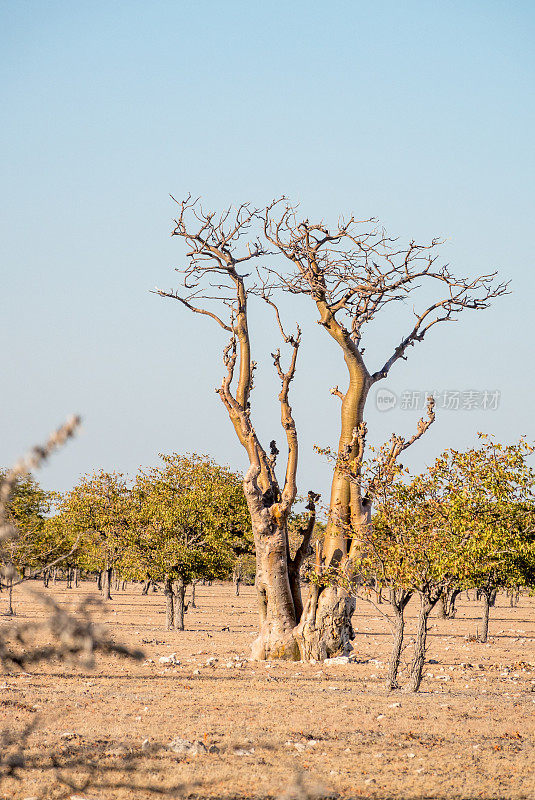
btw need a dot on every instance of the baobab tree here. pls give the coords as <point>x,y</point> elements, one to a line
<point>351,273</point>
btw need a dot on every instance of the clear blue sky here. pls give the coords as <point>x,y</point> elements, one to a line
<point>419,113</point>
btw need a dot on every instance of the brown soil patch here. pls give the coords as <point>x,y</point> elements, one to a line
<point>469,733</point>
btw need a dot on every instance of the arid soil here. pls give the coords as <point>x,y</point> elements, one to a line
<point>266,727</point>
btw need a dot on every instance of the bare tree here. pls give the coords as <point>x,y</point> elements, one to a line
<point>216,271</point>
<point>351,272</point>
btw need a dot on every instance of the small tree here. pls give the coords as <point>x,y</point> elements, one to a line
<point>96,513</point>
<point>411,548</point>
<point>188,520</point>
<point>466,521</point>
<point>488,495</point>
<point>26,511</point>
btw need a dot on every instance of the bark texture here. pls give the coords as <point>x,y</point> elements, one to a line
<point>275,602</point>
<point>399,599</point>
<point>427,603</point>
<point>325,629</point>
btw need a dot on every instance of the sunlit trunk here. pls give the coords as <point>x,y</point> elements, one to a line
<point>275,602</point>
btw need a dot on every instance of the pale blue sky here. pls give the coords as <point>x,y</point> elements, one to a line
<point>419,113</point>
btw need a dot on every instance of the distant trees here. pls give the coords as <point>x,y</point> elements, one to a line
<point>177,523</point>
<point>25,512</point>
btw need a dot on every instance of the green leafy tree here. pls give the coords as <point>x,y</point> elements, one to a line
<point>96,515</point>
<point>467,521</point>
<point>189,521</point>
<point>26,512</point>
<point>488,494</point>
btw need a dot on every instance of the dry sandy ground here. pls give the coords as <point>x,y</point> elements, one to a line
<point>469,733</point>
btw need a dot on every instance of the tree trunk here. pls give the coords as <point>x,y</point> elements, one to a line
<point>451,610</point>
<point>99,581</point>
<point>76,577</point>
<point>398,600</point>
<point>275,601</point>
<point>46,578</point>
<point>485,596</point>
<point>169,603</point>
<point>54,576</point>
<point>192,601</point>
<point>10,609</point>
<point>443,607</point>
<point>106,583</point>
<point>237,580</point>
<point>447,603</point>
<point>426,606</point>
<point>325,629</point>
<point>180,594</point>
<point>68,578</point>
<point>146,586</point>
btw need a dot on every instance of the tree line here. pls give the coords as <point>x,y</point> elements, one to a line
<point>466,523</point>
<point>182,521</point>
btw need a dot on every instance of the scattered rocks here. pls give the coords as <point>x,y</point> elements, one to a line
<point>302,746</point>
<point>170,659</point>
<point>339,661</point>
<point>183,747</point>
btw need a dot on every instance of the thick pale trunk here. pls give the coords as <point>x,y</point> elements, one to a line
<point>325,629</point>
<point>275,601</point>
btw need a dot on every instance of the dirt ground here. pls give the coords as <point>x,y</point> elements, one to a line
<point>266,728</point>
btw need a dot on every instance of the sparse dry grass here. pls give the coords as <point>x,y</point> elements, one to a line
<point>468,734</point>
